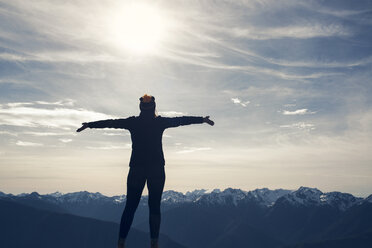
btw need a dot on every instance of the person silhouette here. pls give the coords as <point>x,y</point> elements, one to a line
<point>146,161</point>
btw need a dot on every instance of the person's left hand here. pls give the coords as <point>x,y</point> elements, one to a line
<point>207,120</point>
<point>85,125</point>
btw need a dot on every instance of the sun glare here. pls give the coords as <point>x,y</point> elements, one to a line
<point>138,28</point>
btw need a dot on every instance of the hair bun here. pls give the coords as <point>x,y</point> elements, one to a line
<point>147,98</point>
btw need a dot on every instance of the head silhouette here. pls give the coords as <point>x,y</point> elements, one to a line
<point>147,106</point>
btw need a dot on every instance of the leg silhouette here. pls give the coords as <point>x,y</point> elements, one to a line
<point>135,184</point>
<point>155,185</point>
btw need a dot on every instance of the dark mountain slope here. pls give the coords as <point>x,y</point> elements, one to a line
<point>241,234</point>
<point>293,224</point>
<point>207,226</point>
<point>358,241</point>
<point>24,226</point>
<point>354,221</point>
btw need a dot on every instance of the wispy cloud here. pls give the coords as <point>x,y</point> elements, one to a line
<point>65,140</point>
<point>23,114</point>
<point>298,112</point>
<point>251,55</point>
<point>320,63</point>
<point>8,133</point>
<point>238,101</point>
<point>299,32</point>
<point>171,113</point>
<point>48,133</point>
<point>343,13</point>
<point>62,57</point>
<point>109,147</point>
<point>194,149</point>
<point>117,133</point>
<point>248,68</point>
<point>66,102</point>
<point>300,125</point>
<point>25,143</point>
<point>17,104</point>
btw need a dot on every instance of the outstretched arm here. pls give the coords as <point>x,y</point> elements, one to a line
<point>111,123</point>
<point>186,120</point>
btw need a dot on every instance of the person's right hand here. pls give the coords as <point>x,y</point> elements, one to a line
<point>207,120</point>
<point>84,126</point>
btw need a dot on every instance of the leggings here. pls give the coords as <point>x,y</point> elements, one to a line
<point>137,178</point>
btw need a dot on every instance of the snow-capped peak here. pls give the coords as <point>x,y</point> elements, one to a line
<point>196,192</point>
<point>172,196</point>
<point>55,194</point>
<point>82,196</point>
<point>227,197</point>
<point>209,191</point>
<point>340,200</point>
<point>311,196</point>
<point>265,196</point>
<point>303,196</point>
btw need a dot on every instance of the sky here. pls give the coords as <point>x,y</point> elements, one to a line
<point>288,84</point>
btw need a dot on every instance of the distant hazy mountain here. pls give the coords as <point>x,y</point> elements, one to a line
<point>261,218</point>
<point>24,226</point>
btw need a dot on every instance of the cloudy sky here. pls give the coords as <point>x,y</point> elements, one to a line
<point>288,84</point>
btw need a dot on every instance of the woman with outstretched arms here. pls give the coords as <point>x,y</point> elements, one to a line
<point>146,162</point>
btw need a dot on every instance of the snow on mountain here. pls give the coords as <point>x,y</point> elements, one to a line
<point>195,195</point>
<point>212,191</point>
<point>171,196</point>
<point>34,195</point>
<point>368,199</point>
<point>265,196</point>
<point>227,197</point>
<point>340,200</point>
<point>55,194</point>
<point>22,194</point>
<point>119,198</point>
<point>78,197</point>
<point>305,196</point>
<point>75,197</point>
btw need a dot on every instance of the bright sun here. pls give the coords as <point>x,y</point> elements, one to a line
<point>138,28</point>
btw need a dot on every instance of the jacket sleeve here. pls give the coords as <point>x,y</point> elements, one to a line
<point>113,123</point>
<point>181,121</point>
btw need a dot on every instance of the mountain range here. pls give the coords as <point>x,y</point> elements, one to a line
<point>261,218</point>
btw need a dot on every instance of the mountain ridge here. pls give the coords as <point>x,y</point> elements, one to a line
<point>263,196</point>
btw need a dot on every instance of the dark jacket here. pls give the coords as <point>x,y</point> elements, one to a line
<point>146,134</point>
